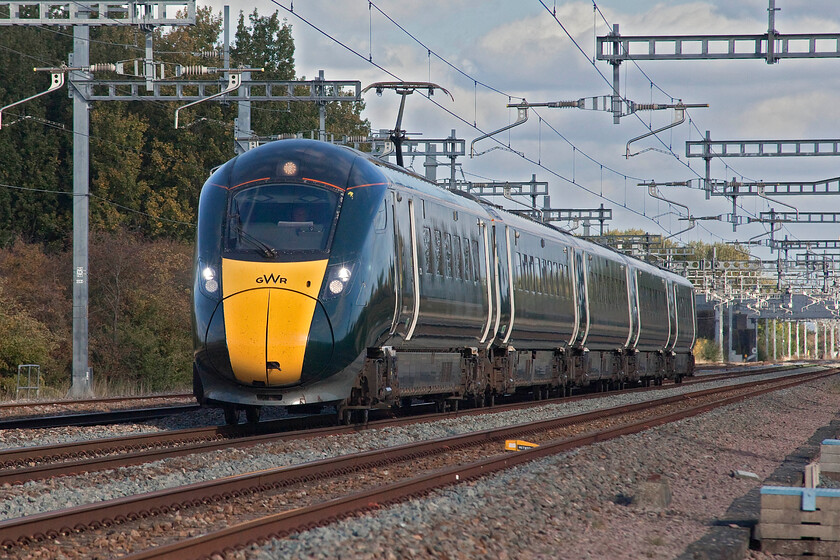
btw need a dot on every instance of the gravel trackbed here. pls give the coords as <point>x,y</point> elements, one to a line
<point>586,504</point>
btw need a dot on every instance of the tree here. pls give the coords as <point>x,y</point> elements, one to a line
<point>145,181</point>
<point>33,145</point>
<point>139,311</point>
<point>34,313</point>
<point>118,142</point>
<point>267,43</point>
<point>718,251</point>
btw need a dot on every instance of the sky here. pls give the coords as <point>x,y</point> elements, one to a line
<point>490,53</point>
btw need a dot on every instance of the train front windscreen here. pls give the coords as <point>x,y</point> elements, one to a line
<point>283,218</point>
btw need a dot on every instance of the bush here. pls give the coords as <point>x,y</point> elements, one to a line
<point>139,314</point>
<point>706,350</point>
<point>23,340</point>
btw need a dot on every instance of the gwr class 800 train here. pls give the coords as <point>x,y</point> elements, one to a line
<point>325,276</point>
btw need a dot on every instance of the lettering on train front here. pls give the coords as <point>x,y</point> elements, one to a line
<point>270,279</point>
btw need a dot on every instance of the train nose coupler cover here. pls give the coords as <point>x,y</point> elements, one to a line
<point>269,309</point>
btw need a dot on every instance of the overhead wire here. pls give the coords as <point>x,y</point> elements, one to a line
<point>538,162</point>
<point>692,122</point>
<point>494,89</point>
<point>646,125</point>
<point>455,115</point>
<point>104,200</point>
<point>476,82</point>
<point>429,52</point>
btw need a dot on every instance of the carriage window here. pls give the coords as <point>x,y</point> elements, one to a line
<point>281,218</point>
<point>457,258</point>
<point>532,276</point>
<point>447,255</point>
<point>567,281</point>
<point>526,273</point>
<point>546,277</point>
<point>549,277</point>
<point>438,253</point>
<point>381,219</point>
<point>427,249</point>
<point>476,267</point>
<point>559,279</point>
<point>468,266</point>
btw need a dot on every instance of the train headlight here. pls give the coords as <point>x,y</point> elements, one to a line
<point>208,279</point>
<point>338,281</point>
<point>336,287</point>
<point>289,168</point>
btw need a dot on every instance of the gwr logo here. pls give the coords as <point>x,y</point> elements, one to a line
<point>270,279</point>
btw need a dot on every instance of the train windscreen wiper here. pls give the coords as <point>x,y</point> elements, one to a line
<point>268,251</point>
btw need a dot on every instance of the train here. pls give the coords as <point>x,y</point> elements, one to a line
<point>326,277</point>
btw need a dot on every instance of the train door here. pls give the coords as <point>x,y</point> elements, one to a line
<point>504,282</point>
<point>692,321</point>
<point>407,305</point>
<point>633,298</point>
<point>488,266</point>
<point>670,290</point>
<point>581,298</point>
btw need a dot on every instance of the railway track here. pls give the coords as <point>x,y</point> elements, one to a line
<point>125,415</point>
<point>23,464</point>
<point>90,402</point>
<point>425,465</point>
<point>96,418</point>
<point>90,412</point>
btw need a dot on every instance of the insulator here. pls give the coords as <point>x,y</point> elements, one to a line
<point>102,67</point>
<point>564,104</point>
<point>207,54</point>
<point>357,139</point>
<point>194,70</point>
<point>647,106</point>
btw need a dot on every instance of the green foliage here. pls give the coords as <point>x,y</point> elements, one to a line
<point>35,310</point>
<point>144,174</point>
<point>139,311</point>
<point>706,350</point>
<point>145,178</point>
<point>25,340</point>
<point>719,251</point>
<point>265,43</point>
<point>33,150</point>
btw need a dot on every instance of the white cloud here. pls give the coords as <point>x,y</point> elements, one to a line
<point>518,48</point>
<point>812,114</point>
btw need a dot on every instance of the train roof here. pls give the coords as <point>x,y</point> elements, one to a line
<point>522,222</point>
<point>468,201</point>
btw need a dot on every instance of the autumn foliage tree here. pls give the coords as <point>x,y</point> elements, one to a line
<point>145,178</point>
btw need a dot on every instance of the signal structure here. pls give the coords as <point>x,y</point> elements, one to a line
<point>771,46</point>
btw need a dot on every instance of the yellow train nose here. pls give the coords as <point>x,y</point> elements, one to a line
<point>268,310</point>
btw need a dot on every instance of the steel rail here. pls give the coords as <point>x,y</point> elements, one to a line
<point>66,521</point>
<point>143,448</point>
<point>96,418</point>
<point>92,455</point>
<point>65,402</point>
<point>282,524</point>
